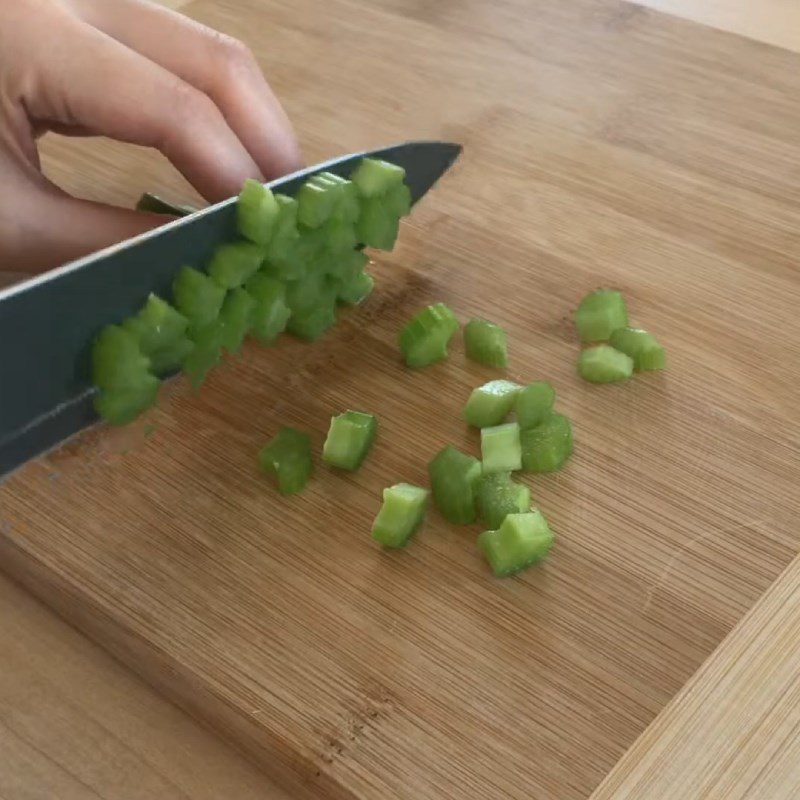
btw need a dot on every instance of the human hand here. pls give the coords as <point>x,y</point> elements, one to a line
<point>136,72</point>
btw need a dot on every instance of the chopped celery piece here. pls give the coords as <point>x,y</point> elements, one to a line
<point>600,314</point>
<point>283,251</point>
<point>425,337</point>
<point>257,211</point>
<point>197,297</point>
<point>375,177</point>
<point>206,353</point>
<point>485,343</point>
<point>350,203</point>
<point>347,266</point>
<point>316,203</point>
<point>641,346</point>
<point>500,448</point>
<point>161,333</point>
<point>356,290</point>
<point>499,496</point>
<point>546,447</point>
<point>534,403</point>
<point>172,356</point>
<point>314,291</point>
<point>285,228</point>
<point>270,313</point>
<point>350,438</point>
<point>236,318</point>
<point>340,236</point>
<point>117,360</point>
<point>347,203</point>
<point>454,477</point>
<point>232,264</point>
<point>398,200</point>
<point>311,324</point>
<point>521,540</point>
<point>157,205</point>
<point>377,225</point>
<point>491,403</point>
<point>122,405</point>
<point>156,324</point>
<point>603,364</point>
<point>401,514</point>
<point>288,457</point>
<point>292,265</point>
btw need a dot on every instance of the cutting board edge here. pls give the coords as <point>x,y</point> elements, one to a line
<point>293,771</point>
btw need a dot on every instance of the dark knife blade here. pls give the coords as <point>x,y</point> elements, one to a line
<point>47,324</point>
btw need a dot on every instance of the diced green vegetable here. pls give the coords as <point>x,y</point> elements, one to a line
<point>316,203</point>
<point>156,324</point>
<point>156,205</point>
<point>312,324</point>
<point>197,297</point>
<point>288,458</point>
<point>499,496</point>
<point>311,292</point>
<point>161,333</point>
<point>600,314</point>
<point>522,540</point>
<point>547,447</point>
<point>500,448</point>
<point>236,318</point>
<point>377,225</point>
<point>117,360</point>
<point>425,337</point>
<point>398,201</point>
<point>206,353</point>
<point>485,343</point>
<point>348,265</point>
<point>122,405</point>
<point>534,404</point>
<point>232,264</point>
<point>282,250</point>
<point>401,514</point>
<point>603,364</point>
<point>641,346</point>
<point>349,204</point>
<point>270,313</point>
<point>256,212</point>
<point>491,403</point>
<point>340,236</point>
<point>454,477</point>
<point>350,438</point>
<point>374,177</point>
<point>357,290</point>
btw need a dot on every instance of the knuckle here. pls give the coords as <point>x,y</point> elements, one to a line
<point>189,110</point>
<point>188,102</point>
<point>232,56</point>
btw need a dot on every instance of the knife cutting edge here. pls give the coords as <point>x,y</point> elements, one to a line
<point>47,323</point>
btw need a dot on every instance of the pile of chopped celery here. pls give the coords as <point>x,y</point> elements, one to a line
<point>614,350</point>
<point>296,261</point>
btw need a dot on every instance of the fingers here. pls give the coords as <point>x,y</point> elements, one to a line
<point>90,81</point>
<point>43,227</point>
<point>219,66</point>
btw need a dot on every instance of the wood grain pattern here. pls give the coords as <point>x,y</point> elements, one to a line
<point>775,22</point>
<point>76,726</point>
<point>732,733</point>
<point>416,675</point>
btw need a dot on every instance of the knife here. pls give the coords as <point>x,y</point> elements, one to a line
<point>47,324</point>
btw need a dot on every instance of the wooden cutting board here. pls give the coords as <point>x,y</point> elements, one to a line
<point>604,145</point>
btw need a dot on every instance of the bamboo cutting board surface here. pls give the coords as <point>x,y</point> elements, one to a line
<point>604,145</point>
